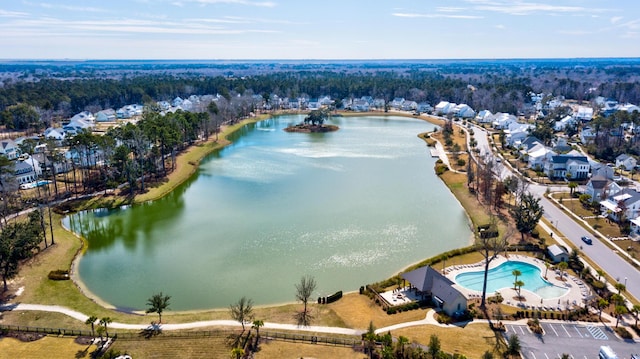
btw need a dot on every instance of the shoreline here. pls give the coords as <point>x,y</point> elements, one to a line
<point>213,145</point>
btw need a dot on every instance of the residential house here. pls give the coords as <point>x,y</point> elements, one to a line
<point>484,116</point>
<point>626,161</point>
<point>164,105</point>
<point>85,116</point>
<point>75,126</point>
<point>516,132</point>
<point>564,123</point>
<point>463,111</point>
<point>56,134</point>
<point>623,205</point>
<point>502,121</point>
<point>27,170</point>
<point>409,106</point>
<point>9,149</point>
<point>600,169</point>
<point>397,103</point>
<point>313,104</point>
<point>424,107</point>
<point>430,283</point>
<point>584,114</point>
<point>108,115</point>
<point>629,108</point>
<point>570,166</point>
<point>539,156</point>
<point>360,106</point>
<point>379,103</point>
<point>187,105</point>
<point>557,253</point>
<point>177,102</point>
<point>587,135</point>
<point>444,107</point>
<point>600,188</point>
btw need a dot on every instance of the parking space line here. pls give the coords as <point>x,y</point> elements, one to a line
<point>576,328</point>
<point>522,330</point>
<point>554,330</point>
<point>533,355</point>
<point>546,356</point>
<point>565,329</point>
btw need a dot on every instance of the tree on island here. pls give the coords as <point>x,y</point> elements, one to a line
<point>158,303</point>
<point>316,117</point>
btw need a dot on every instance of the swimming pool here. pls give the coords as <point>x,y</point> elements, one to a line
<point>501,277</point>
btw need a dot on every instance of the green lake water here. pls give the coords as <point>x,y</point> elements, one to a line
<point>349,207</point>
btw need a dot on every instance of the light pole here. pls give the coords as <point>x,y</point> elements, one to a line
<point>625,282</point>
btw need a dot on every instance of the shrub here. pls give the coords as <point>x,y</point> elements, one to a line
<point>623,333</point>
<point>59,275</point>
<point>461,162</point>
<point>441,168</point>
<point>334,297</point>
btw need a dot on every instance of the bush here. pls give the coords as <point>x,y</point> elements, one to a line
<point>441,168</point>
<point>59,275</point>
<point>623,333</point>
<point>461,162</point>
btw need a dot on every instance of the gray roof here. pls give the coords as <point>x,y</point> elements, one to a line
<point>427,279</point>
<point>599,181</point>
<point>556,250</point>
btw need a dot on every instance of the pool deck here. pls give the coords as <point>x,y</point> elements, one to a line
<point>575,296</point>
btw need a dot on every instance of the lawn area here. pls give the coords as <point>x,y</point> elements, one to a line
<point>170,347</point>
<point>472,340</point>
<point>280,349</point>
<point>47,347</point>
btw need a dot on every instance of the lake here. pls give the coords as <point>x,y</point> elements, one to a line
<point>349,207</point>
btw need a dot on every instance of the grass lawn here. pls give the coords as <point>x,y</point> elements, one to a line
<point>280,349</point>
<point>168,347</point>
<point>47,347</point>
<point>472,340</point>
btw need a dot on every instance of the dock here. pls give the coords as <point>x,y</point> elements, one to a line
<point>434,152</point>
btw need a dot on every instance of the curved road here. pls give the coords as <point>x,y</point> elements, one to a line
<point>598,252</point>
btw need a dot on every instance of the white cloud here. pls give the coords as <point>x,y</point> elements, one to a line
<point>449,9</point>
<point>433,16</point>
<point>70,8</point>
<point>6,13</point>
<point>519,7</point>
<point>500,27</point>
<point>234,2</point>
<point>615,19</point>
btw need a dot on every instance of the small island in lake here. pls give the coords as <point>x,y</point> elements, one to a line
<point>313,123</point>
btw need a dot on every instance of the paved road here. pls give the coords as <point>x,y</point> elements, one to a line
<point>604,257</point>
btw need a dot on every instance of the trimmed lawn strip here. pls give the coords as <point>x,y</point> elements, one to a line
<point>47,347</point>
<point>472,340</point>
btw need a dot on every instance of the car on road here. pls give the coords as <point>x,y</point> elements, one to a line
<point>587,240</point>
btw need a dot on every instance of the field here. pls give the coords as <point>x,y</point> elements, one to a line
<point>47,347</point>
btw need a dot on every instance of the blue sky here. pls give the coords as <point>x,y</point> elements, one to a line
<point>329,29</point>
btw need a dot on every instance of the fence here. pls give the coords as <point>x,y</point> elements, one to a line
<point>290,337</point>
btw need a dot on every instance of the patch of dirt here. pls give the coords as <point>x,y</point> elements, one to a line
<point>23,336</point>
<point>83,340</point>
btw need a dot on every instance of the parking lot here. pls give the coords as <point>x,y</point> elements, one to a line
<point>577,340</point>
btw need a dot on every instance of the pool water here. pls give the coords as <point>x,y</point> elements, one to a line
<point>501,277</point>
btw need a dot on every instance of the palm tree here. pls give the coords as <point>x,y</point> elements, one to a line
<point>256,325</point>
<point>546,268</point>
<point>562,266</point>
<point>600,273</point>
<point>104,322</point>
<point>519,284</point>
<point>402,340</point>
<point>158,303</point>
<point>572,187</point>
<point>636,310</point>
<point>91,321</point>
<point>619,311</point>
<point>237,352</point>
<point>602,303</point>
<point>516,273</point>
<point>620,287</point>
<point>242,311</point>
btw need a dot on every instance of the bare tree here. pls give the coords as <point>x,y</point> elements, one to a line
<point>490,248</point>
<point>242,311</point>
<point>304,289</point>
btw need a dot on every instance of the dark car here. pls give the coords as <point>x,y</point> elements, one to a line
<point>587,240</point>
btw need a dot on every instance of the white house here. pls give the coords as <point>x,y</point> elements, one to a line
<point>443,107</point>
<point>516,132</point>
<point>177,101</point>
<point>484,116</point>
<point>56,134</point>
<point>584,114</point>
<point>27,170</point>
<point>626,201</point>
<point>85,116</point>
<point>600,188</point>
<point>563,123</point>
<point>397,102</point>
<point>587,135</point>
<point>629,108</point>
<point>502,121</point>
<point>567,166</point>
<point>108,115</point>
<point>463,111</point>
<point>360,106</point>
<point>626,160</point>
<point>9,149</point>
<point>557,253</point>
<point>75,126</point>
<point>409,106</point>
<point>539,156</point>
